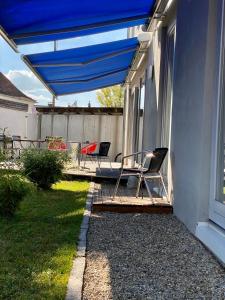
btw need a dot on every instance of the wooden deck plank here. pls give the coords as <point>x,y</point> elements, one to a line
<point>126,202</point>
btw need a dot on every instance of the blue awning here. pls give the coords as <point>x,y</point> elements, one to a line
<point>36,21</point>
<point>84,69</point>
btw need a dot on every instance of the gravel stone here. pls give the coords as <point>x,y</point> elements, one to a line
<point>144,256</point>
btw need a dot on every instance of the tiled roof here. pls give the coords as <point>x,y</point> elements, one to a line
<point>9,89</point>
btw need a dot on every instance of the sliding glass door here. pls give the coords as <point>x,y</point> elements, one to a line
<point>217,204</point>
<point>167,106</point>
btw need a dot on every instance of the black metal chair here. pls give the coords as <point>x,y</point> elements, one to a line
<point>102,154</point>
<point>148,169</point>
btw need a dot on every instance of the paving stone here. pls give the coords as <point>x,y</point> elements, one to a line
<point>75,284</point>
<point>83,234</point>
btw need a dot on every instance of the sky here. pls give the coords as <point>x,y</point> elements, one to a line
<point>16,70</point>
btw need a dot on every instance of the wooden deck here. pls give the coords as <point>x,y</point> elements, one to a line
<point>92,172</point>
<point>126,202</point>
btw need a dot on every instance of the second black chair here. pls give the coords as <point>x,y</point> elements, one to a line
<point>102,154</point>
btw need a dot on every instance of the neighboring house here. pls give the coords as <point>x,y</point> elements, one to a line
<point>17,110</point>
<point>183,74</point>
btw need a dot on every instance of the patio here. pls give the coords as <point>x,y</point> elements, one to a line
<point>170,63</point>
<point>90,170</point>
<point>126,202</point>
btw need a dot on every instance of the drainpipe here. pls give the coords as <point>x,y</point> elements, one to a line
<point>39,126</point>
<point>54,97</point>
<point>26,124</point>
<point>52,123</point>
<point>124,124</point>
<point>67,127</point>
<point>126,121</point>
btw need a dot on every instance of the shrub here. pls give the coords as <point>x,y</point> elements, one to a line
<point>44,167</point>
<point>13,188</point>
<point>2,155</point>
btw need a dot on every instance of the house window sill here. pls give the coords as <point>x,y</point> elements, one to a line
<point>213,237</point>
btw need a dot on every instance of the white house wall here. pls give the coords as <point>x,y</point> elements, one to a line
<point>195,90</point>
<point>18,122</point>
<point>196,73</point>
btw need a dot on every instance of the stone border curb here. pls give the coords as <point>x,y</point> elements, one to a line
<point>75,283</point>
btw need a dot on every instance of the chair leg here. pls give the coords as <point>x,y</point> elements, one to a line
<point>92,162</point>
<point>142,195</point>
<point>99,164</point>
<point>110,165</point>
<point>138,186</point>
<point>164,187</point>
<point>117,186</point>
<point>148,189</point>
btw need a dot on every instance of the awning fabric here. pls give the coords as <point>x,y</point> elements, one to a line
<point>84,69</point>
<point>36,21</point>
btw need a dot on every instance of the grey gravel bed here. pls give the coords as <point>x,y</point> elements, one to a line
<point>140,256</point>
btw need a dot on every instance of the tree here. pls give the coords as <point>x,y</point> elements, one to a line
<point>111,96</point>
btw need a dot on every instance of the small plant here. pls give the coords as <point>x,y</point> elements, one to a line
<point>44,167</point>
<point>2,155</point>
<point>13,188</point>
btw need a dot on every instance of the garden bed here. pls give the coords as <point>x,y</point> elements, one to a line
<point>37,246</point>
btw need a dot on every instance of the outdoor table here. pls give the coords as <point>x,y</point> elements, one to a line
<point>78,150</point>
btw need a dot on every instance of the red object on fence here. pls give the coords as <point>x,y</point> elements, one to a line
<point>63,146</point>
<point>89,148</point>
<point>57,145</point>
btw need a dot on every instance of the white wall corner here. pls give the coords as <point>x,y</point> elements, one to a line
<point>213,237</point>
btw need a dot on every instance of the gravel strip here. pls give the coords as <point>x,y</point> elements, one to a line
<point>143,256</point>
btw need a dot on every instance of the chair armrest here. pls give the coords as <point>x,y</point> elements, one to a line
<point>133,154</point>
<point>130,155</point>
<point>137,153</point>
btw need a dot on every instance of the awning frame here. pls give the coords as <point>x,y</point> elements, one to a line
<point>47,83</point>
<point>158,15</point>
<point>9,41</point>
<point>86,80</point>
<point>89,61</point>
<point>28,64</point>
<point>80,28</point>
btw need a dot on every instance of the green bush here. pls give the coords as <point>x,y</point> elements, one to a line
<point>13,188</point>
<point>2,155</point>
<point>44,167</point>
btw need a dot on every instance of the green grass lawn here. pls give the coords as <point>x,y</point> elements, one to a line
<point>37,246</point>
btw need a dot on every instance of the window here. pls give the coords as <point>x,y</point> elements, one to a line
<point>217,204</point>
<point>13,105</point>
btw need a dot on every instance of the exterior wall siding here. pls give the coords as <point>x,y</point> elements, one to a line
<point>22,122</point>
<point>195,90</point>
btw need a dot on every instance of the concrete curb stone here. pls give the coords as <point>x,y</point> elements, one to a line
<point>75,283</point>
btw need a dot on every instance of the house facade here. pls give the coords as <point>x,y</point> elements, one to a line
<point>179,68</point>
<point>182,75</point>
<point>17,111</point>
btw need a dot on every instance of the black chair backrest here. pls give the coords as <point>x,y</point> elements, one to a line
<point>104,148</point>
<point>157,160</point>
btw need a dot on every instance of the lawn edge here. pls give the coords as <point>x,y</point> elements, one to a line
<point>75,283</point>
